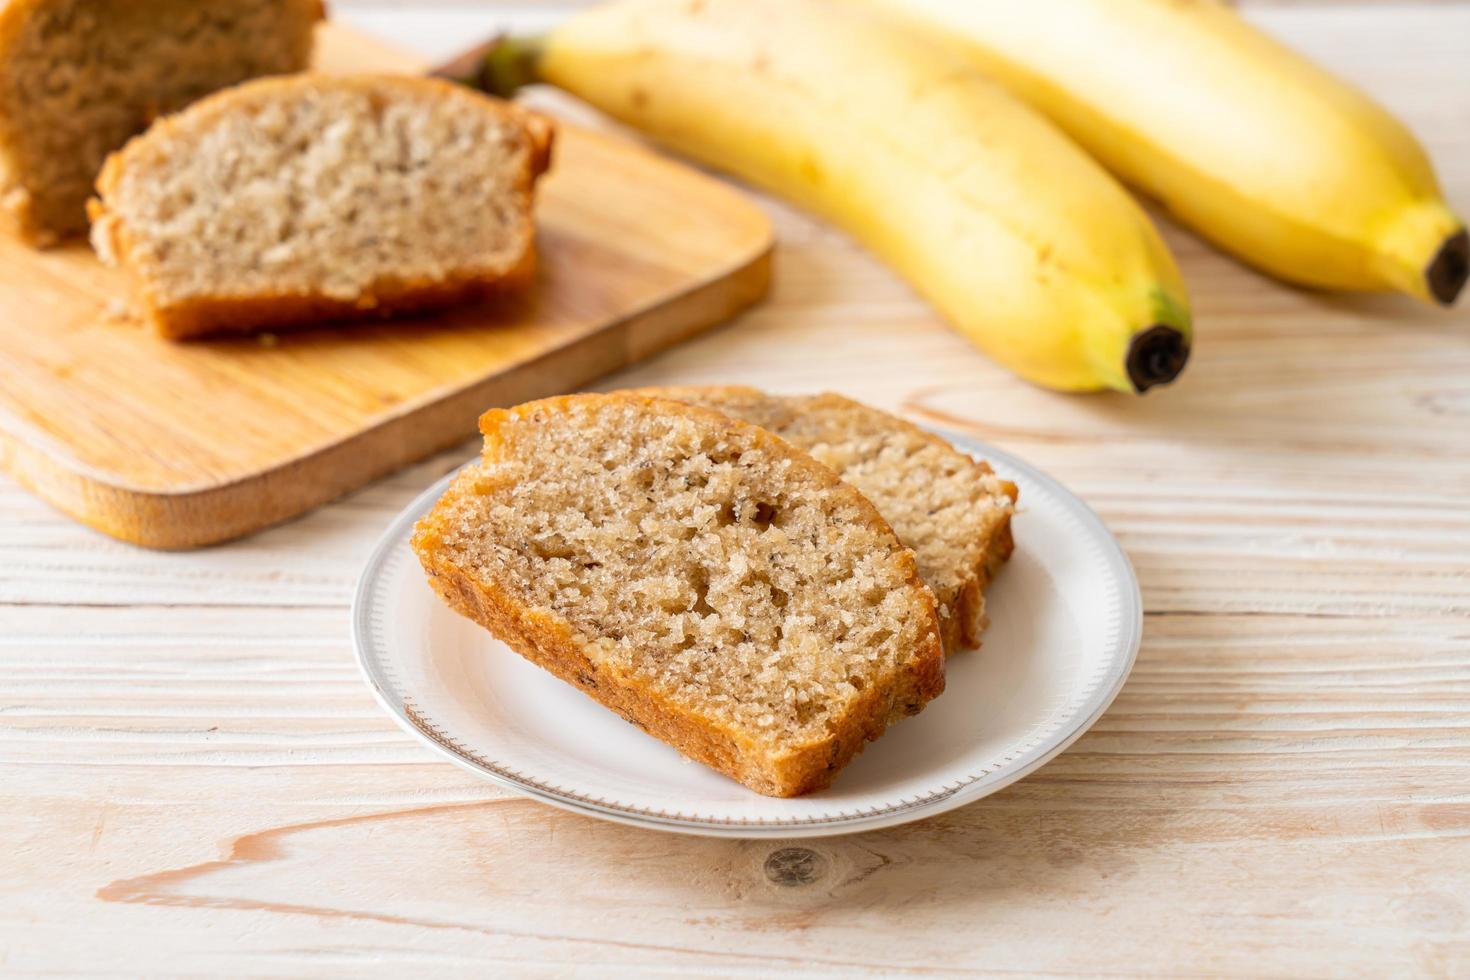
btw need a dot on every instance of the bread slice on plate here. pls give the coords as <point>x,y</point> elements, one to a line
<point>307,198</point>
<point>79,77</point>
<point>711,583</point>
<point>953,511</point>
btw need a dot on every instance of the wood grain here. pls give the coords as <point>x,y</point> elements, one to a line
<point>196,781</point>
<point>182,444</point>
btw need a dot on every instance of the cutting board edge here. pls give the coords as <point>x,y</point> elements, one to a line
<point>196,517</point>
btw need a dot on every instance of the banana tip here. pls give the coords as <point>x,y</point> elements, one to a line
<point>1449,268</point>
<point>1156,356</point>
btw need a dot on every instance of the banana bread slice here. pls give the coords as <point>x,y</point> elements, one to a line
<point>78,77</point>
<point>308,198</point>
<point>954,512</point>
<point>710,582</point>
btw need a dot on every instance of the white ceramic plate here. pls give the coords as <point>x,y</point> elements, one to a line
<point>1065,624</point>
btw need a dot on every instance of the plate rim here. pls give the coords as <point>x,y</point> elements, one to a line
<point>1094,705</point>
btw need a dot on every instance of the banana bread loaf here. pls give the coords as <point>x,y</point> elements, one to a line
<point>78,77</point>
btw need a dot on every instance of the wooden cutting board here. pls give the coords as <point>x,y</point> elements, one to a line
<point>180,445</point>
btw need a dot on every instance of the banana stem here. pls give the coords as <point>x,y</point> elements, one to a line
<point>501,66</point>
<point>1450,268</point>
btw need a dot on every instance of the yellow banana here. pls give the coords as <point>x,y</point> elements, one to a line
<point>1021,240</point>
<point>1254,146</point>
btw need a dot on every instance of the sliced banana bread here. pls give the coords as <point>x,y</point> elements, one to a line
<point>307,198</point>
<point>710,582</point>
<point>954,512</point>
<point>78,77</point>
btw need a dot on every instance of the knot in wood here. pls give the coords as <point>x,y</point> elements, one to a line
<point>793,867</point>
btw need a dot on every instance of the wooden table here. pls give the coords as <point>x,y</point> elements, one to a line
<point>196,780</point>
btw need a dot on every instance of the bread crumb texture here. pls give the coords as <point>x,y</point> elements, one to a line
<point>953,511</point>
<point>293,198</point>
<point>79,77</point>
<point>731,581</point>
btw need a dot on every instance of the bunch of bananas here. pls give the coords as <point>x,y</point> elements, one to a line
<point>960,139</point>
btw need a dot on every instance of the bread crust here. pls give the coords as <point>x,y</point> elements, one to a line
<point>549,642</point>
<point>223,313</point>
<point>968,620</point>
<point>213,316</point>
<point>962,608</point>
